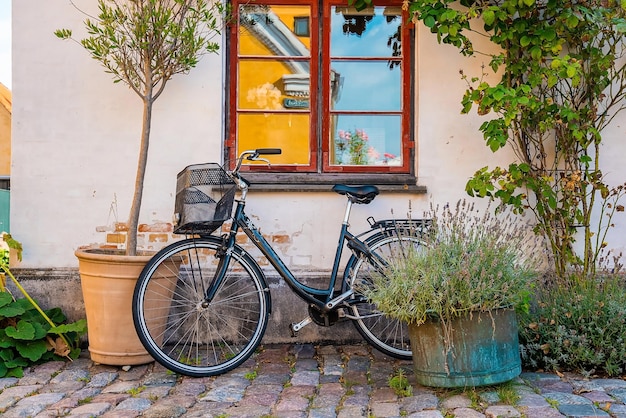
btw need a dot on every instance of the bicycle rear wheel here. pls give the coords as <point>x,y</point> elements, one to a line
<point>386,334</point>
<point>184,332</point>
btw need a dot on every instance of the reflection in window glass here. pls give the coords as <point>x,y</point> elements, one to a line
<point>368,85</point>
<point>265,30</point>
<point>271,85</point>
<point>273,68</point>
<point>367,140</point>
<point>368,33</point>
<point>301,26</point>
<point>287,131</point>
<point>366,104</point>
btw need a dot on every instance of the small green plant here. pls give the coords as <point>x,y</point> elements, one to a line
<point>348,384</point>
<point>400,383</point>
<point>290,359</point>
<point>134,392</point>
<point>580,327</point>
<point>29,334</point>
<point>553,403</point>
<point>474,397</point>
<point>507,394</point>
<point>86,400</point>
<point>251,375</point>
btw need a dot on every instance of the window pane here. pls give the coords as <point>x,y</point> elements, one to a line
<point>372,140</point>
<point>287,131</point>
<point>269,30</point>
<point>366,85</point>
<point>270,85</point>
<point>368,33</point>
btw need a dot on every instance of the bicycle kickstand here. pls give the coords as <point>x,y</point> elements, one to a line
<point>295,327</point>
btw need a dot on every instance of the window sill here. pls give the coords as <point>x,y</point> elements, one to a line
<point>310,182</point>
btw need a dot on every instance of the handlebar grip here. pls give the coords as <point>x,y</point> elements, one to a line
<point>269,151</point>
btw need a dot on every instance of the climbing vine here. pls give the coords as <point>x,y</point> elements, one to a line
<point>561,79</point>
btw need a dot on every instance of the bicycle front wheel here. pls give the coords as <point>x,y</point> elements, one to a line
<point>184,331</point>
<point>388,335</point>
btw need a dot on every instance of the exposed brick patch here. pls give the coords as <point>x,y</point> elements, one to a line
<point>121,227</point>
<point>156,227</point>
<point>116,238</point>
<point>281,239</point>
<point>158,238</point>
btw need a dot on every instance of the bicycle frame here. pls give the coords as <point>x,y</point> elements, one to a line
<point>325,299</point>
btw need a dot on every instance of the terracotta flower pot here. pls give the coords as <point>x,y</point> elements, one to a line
<point>108,282</point>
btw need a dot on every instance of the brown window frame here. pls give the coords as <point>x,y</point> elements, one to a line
<point>320,171</point>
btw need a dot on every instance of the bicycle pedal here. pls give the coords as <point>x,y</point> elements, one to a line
<point>295,327</point>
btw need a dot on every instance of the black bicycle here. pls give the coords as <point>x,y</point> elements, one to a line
<point>201,305</point>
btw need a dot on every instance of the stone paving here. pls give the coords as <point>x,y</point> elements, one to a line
<point>295,380</point>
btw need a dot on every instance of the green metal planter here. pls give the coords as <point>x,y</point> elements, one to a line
<point>483,350</point>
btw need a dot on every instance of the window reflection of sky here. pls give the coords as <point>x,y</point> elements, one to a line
<point>373,41</point>
<point>368,85</point>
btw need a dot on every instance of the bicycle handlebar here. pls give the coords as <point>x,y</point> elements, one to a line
<point>269,151</point>
<point>254,155</point>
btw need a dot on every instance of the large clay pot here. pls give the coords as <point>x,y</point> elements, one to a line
<point>108,282</point>
<point>474,350</point>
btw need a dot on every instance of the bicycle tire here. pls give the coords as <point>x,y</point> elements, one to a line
<point>181,331</point>
<point>389,336</point>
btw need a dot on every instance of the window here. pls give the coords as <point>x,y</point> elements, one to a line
<point>327,84</point>
<point>301,26</point>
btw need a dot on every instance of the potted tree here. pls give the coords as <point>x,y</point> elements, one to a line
<point>458,293</point>
<point>141,44</point>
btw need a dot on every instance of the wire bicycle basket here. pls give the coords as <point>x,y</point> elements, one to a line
<point>204,199</point>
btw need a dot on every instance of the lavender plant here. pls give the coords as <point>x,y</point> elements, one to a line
<point>471,261</point>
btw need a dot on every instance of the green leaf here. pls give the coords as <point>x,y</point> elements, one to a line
<point>552,202</point>
<point>7,354</point>
<point>571,71</point>
<point>12,310</point>
<point>79,326</point>
<point>32,350</point>
<point>525,41</point>
<point>16,362</point>
<point>429,21</point>
<point>489,17</point>
<point>536,53</point>
<point>16,372</point>
<point>63,33</point>
<point>23,331</point>
<point>5,298</point>
<point>571,21</point>
<point>529,2</point>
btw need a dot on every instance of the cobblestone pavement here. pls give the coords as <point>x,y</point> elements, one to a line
<point>294,380</point>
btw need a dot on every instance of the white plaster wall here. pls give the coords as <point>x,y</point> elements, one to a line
<point>76,135</point>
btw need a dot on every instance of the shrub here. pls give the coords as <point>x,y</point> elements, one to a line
<point>28,334</point>
<point>580,327</point>
<point>471,261</point>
